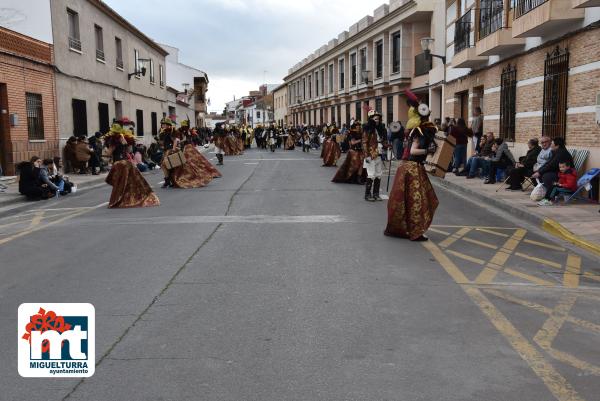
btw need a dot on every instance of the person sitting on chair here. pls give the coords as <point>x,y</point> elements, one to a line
<point>502,159</point>
<point>524,167</point>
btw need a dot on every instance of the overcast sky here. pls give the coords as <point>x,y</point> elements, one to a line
<point>235,41</point>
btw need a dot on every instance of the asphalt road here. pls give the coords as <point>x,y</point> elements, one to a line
<point>272,283</point>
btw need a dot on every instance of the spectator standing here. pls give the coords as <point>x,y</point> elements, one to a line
<point>460,134</point>
<point>477,128</point>
<point>69,154</point>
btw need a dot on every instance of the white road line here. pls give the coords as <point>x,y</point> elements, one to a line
<point>253,219</point>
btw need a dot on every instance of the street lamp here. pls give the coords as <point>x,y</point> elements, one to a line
<point>426,44</point>
<point>141,62</point>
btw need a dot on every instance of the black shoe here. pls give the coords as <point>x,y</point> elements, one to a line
<point>488,181</point>
<point>167,183</point>
<point>376,184</point>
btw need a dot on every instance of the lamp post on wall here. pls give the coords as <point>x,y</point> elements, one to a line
<point>142,63</point>
<point>426,44</point>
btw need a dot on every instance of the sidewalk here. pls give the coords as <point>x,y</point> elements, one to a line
<point>578,222</point>
<point>12,200</point>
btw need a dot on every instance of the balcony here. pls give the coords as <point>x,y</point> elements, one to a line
<point>465,55</point>
<point>543,17</point>
<point>586,3</point>
<point>494,37</point>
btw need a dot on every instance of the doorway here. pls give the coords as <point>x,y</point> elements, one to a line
<point>79,117</point>
<point>463,105</point>
<point>103,120</point>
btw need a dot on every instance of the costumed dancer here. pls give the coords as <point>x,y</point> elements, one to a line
<point>218,138</point>
<point>352,171</point>
<point>272,136</point>
<point>290,143</point>
<point>413,201</point>
<point>331,149</point>
<point>192,156</point>
<point>374,143</point>
<point>129,187</point>
<point>189,174</point>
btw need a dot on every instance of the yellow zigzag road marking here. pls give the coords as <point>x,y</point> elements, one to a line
<point>556,383</point>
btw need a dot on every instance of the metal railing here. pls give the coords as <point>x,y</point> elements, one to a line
<point>120,63</point>
<point>462,33</point>
<point>556,80</point>
<point>508,100</point>
<point>99,55</point>
<point>74,44</point>
<point>490,17</point>
<point>522,7</point>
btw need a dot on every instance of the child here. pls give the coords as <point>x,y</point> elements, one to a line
<point>567,183</point>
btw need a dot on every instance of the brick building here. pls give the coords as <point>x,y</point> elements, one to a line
<point>532,66</point>
<point>28,119</point>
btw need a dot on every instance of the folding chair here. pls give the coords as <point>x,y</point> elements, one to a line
<point>579,159</point>
<point>583,182</point>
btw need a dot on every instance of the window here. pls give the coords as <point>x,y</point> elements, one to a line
<point>154,122</point>
<point>508,98</point>
<point>103,120</point>
<point>556,77</point>
<point>161,75</point>
<point>353,71</point>
<point>317,84</point>
<point>74,39</point>
<point>462,33</point>
<point>322,89</point>
<point>99,43</point>
<point>363,61</point>
<point>330,78</point>
<point>257,114</point>
<point>396,53</point>
<point>390,109</point>
<point>310,86</point>
<point>379,105</point>
<point>35,116</point>
<point>379,59</point>
<point>348,113</point>
<point>118,109</point>
<point>139,122</point>
<point>136,62</point>
<point>119,51</point>
<point>79,109</point>
<point>341,72</point>
<point>357,111</point>
<point>304,88</point>
<point>152,80</point>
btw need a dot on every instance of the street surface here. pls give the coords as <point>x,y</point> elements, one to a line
<point>272,283</point>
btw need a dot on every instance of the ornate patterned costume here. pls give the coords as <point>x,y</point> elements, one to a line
<point>130,189</point>
<point>352,171</point>
<point>331,149</point>
<point>413,201</point>
<point>374,142</point>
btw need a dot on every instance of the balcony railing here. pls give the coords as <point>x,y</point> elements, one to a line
<point>120,63</point>
<point>99,55</point>
<point>462,33</point>
<point>522,7</point>
<point>422,64</point>
<point>490,17</point>
<point>74,44</point>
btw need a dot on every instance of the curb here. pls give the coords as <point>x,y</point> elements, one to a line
<point>550,226</point>
<point>556,229</point>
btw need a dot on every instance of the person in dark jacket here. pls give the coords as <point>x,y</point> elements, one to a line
<point>548,173</point>
<point>30,184</point>
<point>524,167</point>
<point>460,132</point>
